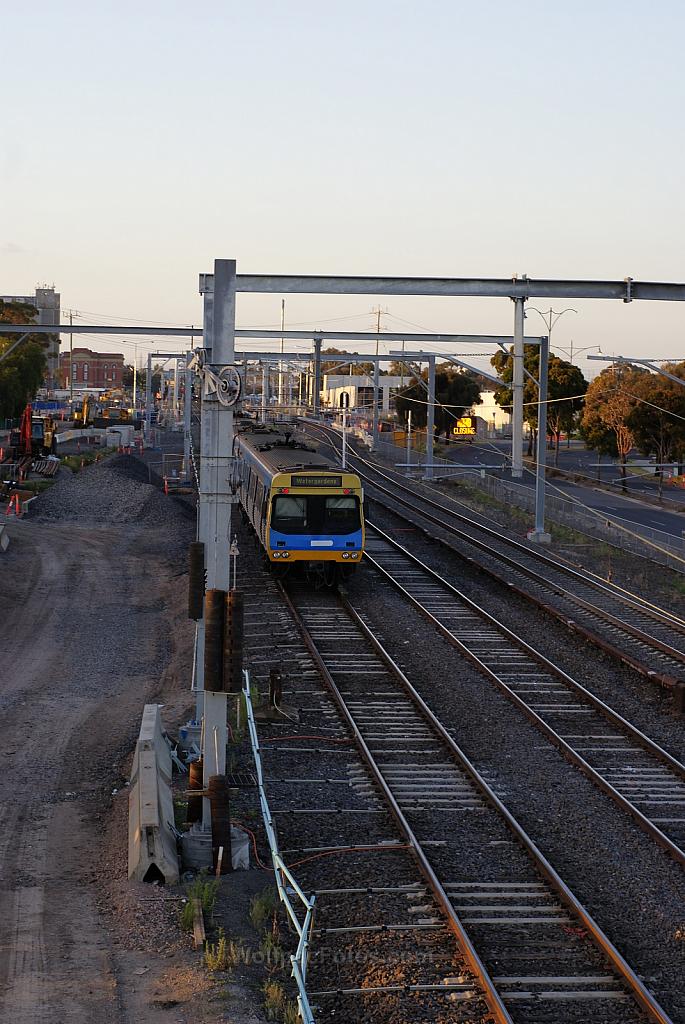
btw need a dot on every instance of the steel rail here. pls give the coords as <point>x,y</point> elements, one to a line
<point>642,995</point>
<point>492,997</point>
<point>569,752</point>
<point>665,680</point>
<point>584,576</point>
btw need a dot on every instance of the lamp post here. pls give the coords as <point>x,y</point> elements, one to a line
<point>550,318</point>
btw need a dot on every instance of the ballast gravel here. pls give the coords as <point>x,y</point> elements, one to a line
<point>632,888</point>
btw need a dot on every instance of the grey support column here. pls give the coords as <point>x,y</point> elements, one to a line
<point>187,417</point>
<point>376,373</point>
<point>538,534</point>
<point>265,390</point>
<point>517,412</point>
<point>317,377</point>
<point>430,418</point>
<point>215,502</point>
<point>148,394</point>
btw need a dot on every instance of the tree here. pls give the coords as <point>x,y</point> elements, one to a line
<point>141,378</point>
<point>566,387</point>
<point>355,369</point>
<point>503,361</point>
<point>21,374</point>
<point>658,418</point>
<point>455,391</point>
<point>609,401</point>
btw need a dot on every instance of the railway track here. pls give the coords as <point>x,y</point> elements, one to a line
<point>534,953</point>
<point>635,772</point>
<point>372,946</point>
<point>621,623</point>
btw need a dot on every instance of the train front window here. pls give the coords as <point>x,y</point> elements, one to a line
<point>315,514</point>
<point>289,514</point>
<point>341,515</point>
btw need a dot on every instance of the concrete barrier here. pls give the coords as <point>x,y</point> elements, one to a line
<point>79,435</point>
<point>152,854</point>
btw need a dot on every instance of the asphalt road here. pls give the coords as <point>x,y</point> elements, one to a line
<point>630,510</point>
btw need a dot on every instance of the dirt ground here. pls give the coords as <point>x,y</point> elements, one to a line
<point>92,625</point>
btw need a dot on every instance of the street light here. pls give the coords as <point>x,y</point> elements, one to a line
<point>550,318</point>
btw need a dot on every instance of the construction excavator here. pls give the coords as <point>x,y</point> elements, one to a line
<point>36,434</point>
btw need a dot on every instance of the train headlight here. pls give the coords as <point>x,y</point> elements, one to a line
<point>285,554</point>
<point>346,554</point>
<point>276,554</point>
<point>353,554</point>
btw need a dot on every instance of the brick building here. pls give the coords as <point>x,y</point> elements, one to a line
<point>91,369</point>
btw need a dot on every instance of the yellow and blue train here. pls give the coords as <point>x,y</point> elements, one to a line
<point>303,509</point>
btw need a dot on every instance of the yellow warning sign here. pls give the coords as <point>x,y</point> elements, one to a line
<point>465,426</point>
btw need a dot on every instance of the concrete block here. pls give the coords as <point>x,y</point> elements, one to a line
<point>152,854</point>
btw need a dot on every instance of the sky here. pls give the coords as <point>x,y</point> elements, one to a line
<point>143,140</point>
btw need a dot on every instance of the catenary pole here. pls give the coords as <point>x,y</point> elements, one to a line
<point>216,498</point>
<point>265,389</point>
<point>538,534</point>
<point>71,362</point>
<point>317,376</point>
<point>187,416</point>
<point>430,418</point>
<point>148,394</point>
<point>517,411</point>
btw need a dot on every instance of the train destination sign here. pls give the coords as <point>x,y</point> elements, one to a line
<point>465,426</point>
<point>315,481</point>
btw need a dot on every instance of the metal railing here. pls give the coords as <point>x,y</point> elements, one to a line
<point>299,959</point>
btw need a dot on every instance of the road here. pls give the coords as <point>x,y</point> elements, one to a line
<point>630,510</point>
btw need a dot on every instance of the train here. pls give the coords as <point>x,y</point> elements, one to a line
<point>305,510</point>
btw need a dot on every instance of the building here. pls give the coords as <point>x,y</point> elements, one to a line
<point>91,369</point>
<point>47,302</point>
<point>360,389</point>
<point>496,419</point>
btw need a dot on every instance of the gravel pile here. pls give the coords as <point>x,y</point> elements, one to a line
<point>114,491</point>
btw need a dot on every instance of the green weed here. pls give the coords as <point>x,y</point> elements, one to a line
<point>262,907</point>
<point>224,954</point>
<point>205,891</point>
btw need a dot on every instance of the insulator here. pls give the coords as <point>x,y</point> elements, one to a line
<point>233,642</point>
<point>196,579</point>
<point>214,639</point>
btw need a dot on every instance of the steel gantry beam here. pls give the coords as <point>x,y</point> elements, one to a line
<point>522,287</point>
<point>649,363</point>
